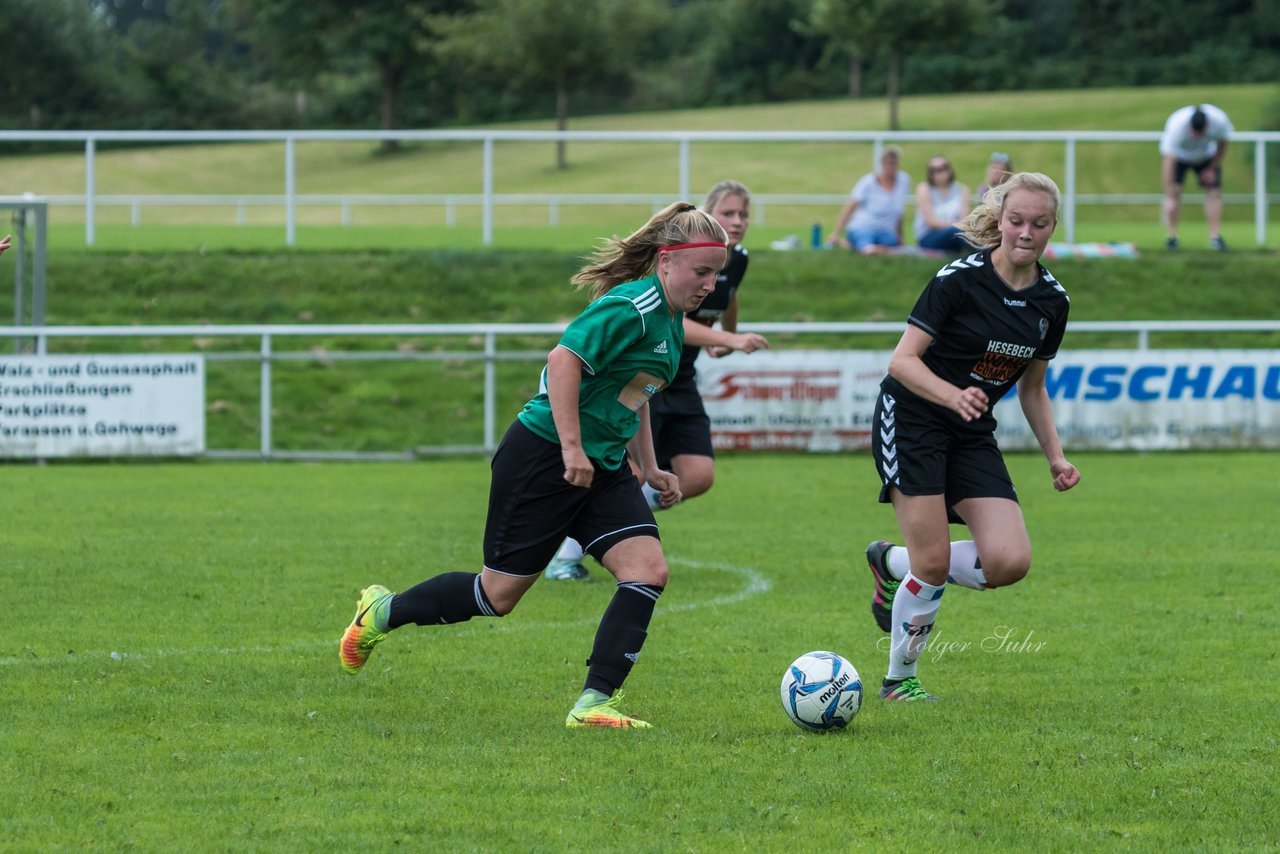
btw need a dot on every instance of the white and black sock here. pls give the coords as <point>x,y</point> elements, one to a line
<point>915,606</point>
<point>965,568</point>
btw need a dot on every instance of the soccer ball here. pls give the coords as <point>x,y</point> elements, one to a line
<point>821,691</point>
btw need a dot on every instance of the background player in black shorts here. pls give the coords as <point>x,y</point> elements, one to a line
<point>986,321</point>
<point>1194,139</point>
<point>681,428</point>
<point>563,469</point>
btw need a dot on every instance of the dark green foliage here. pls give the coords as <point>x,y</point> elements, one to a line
<point>56,68</point>
<point>390,63</point>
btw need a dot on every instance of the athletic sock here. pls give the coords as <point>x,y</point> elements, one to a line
<point>570,550</point>
<point>589,698</point>
<point>965,569</point>
<point>915,606</point>
<point>897,562</point>
<point>621,634</point>
<point>452,597</point>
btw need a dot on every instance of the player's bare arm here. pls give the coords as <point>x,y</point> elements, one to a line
<point>564,377</point>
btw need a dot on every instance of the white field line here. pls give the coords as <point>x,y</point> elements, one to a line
<point>753,583</point>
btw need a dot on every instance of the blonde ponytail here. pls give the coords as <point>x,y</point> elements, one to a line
<point>626,259</point>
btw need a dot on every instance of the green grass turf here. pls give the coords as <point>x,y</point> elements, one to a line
<point>171,679</point>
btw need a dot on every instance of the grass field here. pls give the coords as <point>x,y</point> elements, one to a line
<point>169,667</point>
<point>171,677</point>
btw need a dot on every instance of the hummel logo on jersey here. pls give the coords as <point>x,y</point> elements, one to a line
<point>974,260</point>
<point>661,348</point>
<point>1015,303</point>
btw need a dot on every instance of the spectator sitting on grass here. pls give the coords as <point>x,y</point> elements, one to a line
<point>941,202</point>
<point>871,221</point>
<point>999,169</point>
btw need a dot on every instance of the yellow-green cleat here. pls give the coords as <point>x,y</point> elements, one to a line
<point>367,629</point>
<point>595,709</point>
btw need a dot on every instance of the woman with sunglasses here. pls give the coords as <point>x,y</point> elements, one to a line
<point>941,202</point>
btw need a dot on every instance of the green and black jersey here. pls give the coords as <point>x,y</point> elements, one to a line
<point>630,346</point>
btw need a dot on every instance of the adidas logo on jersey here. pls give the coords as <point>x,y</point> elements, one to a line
<point>661,348</point>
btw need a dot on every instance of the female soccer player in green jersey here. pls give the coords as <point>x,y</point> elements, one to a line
<point>562,467</point>
<point>679,423</point>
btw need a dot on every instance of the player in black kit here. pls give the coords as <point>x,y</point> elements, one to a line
<point>681,428</point>
<point>985,322</point>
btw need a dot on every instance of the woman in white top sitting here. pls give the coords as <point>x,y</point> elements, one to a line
<point>941,202</point>
<point>871,221</point>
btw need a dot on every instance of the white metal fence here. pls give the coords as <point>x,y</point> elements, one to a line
<point>488,196</point>
<point>43,341</point>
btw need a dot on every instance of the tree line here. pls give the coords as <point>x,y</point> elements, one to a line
<point>235,64</point>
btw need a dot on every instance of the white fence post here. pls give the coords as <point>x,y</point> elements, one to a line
<point>1260,191</point>
<point>487,238</point>
<point>1069,194</point>
<point>490,390</point>
<point>684,169</point>
<point>264,398</point>
<point>290,193</point>
<point>89,163</point>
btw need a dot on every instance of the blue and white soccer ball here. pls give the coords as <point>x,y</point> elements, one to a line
<point>821,690</point>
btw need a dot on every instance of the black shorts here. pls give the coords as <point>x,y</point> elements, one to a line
<point>532,508</point>
<point>1180,172</point>
<point>920,449</point>
<point>680,424</point>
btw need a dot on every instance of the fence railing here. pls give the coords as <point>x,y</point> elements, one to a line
<point>684,140</point>
<point>42,337</point>
<point>450,203</point>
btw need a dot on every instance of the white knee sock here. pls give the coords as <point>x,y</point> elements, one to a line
<point>570,550</point>
<point>915,606</point>
<point>965,568</point>
<point>898,561</point>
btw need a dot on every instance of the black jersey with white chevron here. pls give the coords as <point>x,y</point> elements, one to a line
<point>984,332</point>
